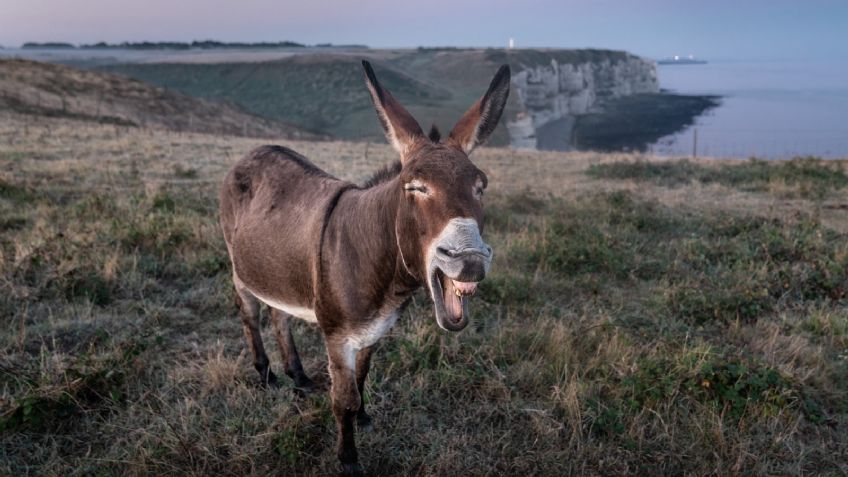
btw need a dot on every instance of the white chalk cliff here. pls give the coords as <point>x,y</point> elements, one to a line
<point>550,97</point>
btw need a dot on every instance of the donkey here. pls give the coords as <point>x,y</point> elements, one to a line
<point>349,257</point>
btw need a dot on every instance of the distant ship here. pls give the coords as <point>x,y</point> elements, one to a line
<point>680,60</point>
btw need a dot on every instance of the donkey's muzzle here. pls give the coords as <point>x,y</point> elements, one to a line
<point>465,265</point>
<point>458,260</point>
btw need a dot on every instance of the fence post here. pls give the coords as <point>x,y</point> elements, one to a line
<point>695,144</point>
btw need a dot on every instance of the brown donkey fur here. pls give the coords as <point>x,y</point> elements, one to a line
<point>349,257</point>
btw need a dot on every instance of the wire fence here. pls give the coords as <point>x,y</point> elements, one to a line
<point>755,142</point>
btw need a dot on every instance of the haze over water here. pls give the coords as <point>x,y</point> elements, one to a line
<point>770,109</point>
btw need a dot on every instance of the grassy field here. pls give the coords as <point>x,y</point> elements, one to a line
<point>642,316</point>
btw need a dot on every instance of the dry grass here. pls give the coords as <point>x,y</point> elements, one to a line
<point>628,327</point>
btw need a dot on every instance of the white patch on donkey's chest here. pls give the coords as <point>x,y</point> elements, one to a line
<point>368,335</point>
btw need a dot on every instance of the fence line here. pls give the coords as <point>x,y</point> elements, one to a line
<point>782,143</point>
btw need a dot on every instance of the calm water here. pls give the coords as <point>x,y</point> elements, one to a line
<point>772,110</point>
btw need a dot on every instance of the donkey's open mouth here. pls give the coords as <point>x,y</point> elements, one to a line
<point>452,303</point>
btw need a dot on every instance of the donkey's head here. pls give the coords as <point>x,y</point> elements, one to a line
<point>440,217</point>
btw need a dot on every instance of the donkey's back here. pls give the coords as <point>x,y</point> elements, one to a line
<point>273,208</point>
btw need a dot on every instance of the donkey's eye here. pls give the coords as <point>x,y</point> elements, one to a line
<point>415,186</point>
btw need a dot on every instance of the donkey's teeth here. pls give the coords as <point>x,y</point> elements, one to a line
<point>464,288</point>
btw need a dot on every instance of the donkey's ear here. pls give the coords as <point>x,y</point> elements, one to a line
<point>400,127</point>
<point>477,124</point>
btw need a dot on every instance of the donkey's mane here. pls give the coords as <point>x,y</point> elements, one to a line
<point>384,174</point>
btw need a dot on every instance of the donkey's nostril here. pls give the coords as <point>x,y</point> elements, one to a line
<point>444,252</point>
<point>467,253</point>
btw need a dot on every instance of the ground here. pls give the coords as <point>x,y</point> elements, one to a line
<point>643,316</point>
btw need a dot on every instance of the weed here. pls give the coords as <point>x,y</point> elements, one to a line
<point>13,223</point>
<point>83,385</point>
<point>88,284</point>
<point>14,192</point>
<point>604,420</point>
<point>733,387</point>
<point>183,172</point>
<point>164,202</point>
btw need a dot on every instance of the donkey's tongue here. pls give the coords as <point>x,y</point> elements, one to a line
<point>454,299</point>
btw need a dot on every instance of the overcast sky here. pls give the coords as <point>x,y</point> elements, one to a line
<point>715,29</point>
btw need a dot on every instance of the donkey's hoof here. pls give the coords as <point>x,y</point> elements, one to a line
<point>270,381</point>
<point>304,386</point>
<point>364,422</point>
<point>352,470</point>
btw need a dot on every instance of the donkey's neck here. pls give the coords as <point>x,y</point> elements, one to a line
<point>362,234</point>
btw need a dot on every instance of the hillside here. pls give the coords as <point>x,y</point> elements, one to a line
<point>45,89</point>
<point>643,316</point>
<point>323,91</point>
<point>319,92</point>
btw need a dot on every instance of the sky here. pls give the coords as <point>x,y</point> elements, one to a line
<point>710,29</point>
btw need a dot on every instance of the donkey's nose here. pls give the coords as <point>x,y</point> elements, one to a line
<point>445,253</point>
<point>485,252</point>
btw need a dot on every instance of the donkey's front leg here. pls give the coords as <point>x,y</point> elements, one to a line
<point>363,364</point>
<point>346,401</point>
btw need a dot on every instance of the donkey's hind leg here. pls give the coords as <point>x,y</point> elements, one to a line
<point>249,313</point>
<point>288,351</point>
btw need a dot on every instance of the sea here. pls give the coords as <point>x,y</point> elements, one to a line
<point>768,109</point>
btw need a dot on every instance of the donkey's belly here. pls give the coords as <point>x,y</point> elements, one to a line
<point>294,310</point>
<point>271,256</point>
